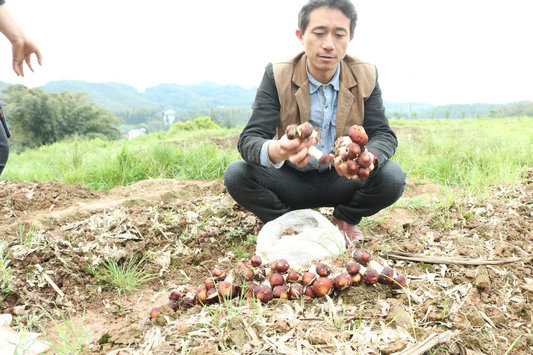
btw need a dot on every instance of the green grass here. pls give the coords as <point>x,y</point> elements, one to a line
<point>5,269</point>
<point>30,237</point>
<point>466,153</point>
<point>102,165</point>
<point>124,277</point>
<point>72,338</point>
<point>469,153</point>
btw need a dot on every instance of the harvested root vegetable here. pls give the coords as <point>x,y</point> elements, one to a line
<point>370,277</point>
<point>260,274</point>
<point>323,269</point>
<point>303,131</point>
<point>256,261</point>
<point>226,291</point>
<point>356,279</point>
<point>353,150</point>
<point>187,302</point>
<point>280,266</point>
<point>174,305</point>
<point>308,291</point>
<point>351,167</point>
<point>201,295</point>
<point>295,291</point>
<point>175,295</point>
<point>308,278</point>
<point>276,279</point>
<point>386,276</point>
<point>350,152</point>
<point>364,160</point>
<point>306,131</point>
<point>322,286</point>
<point>155,311</point>
<point>212,295</point>
<point>353,268</point>
<point>248,290</point>
<point>248,274</point>
<point>399,282</point>
<point>362,256</point>
<point>363,173</point>
<point>209,283</point>
<point>342,281</point>
<point>218,274</point>
<point>294,276</point>
<point>263,293</point>
<point>281,291</point>
<point>358,135</point>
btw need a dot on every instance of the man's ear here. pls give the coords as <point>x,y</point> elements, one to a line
<point>300,35</point>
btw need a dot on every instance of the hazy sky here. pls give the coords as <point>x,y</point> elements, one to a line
<point>437,51</point>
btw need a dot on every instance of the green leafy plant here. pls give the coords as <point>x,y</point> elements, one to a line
<point>30,237</point>
<point>124,277</point>
<point>413,203</point>
<point>5,269</point>
<point>72,338</point>
<point>29,321</point>
<point>24,343</point>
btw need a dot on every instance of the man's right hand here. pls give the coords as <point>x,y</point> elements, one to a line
<point>293,150</point>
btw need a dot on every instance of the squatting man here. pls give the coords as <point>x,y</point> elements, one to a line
<point>333,91</point>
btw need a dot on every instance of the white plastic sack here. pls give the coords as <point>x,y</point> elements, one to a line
<point>300,237</point>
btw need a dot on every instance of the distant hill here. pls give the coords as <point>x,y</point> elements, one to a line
<point>185,99</point>
<point>119,96</point>
<point>112,96</point>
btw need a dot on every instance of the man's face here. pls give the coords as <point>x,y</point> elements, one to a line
<point>325,41</point>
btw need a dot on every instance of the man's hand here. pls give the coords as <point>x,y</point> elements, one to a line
<point>293,150</point>
<point>23,48</point>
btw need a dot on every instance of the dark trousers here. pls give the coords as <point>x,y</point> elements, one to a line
<point>270,193</point>
<point>4,148</point>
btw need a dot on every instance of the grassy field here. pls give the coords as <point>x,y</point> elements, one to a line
<point>102,165</point>
<point>470,153</point>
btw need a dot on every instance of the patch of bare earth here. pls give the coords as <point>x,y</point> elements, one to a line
<point>475,309</point>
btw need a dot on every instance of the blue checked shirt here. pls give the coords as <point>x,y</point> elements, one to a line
<point>323,117</point>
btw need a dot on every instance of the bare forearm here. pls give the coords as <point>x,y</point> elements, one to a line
<point>9,27</point>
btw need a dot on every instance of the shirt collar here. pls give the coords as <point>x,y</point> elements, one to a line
<point>315,84</point>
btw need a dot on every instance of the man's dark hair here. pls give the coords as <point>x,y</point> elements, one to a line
<point>345,6</point>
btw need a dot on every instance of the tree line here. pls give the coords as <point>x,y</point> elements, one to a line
<point>421,110</point>
<point>37,118</point>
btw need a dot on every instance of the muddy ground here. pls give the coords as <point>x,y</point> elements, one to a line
<point>483,308</point>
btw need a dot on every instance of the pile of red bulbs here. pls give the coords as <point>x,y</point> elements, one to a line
<point>253,279</point>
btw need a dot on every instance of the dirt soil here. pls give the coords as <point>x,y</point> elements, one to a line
<point>58,235</point>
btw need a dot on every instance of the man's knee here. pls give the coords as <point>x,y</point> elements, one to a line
<point>394,180</point>
<point>234,174</point>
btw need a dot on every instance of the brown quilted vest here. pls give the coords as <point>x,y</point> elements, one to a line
<point>357,81</point>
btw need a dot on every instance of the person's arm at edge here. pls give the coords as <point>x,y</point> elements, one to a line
<point>21,45</point>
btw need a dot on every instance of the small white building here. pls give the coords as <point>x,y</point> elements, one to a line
<point>169,117</point>
<point>136,133</point>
